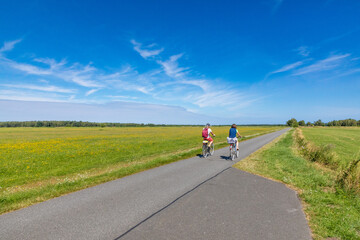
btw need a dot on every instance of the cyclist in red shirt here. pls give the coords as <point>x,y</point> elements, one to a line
<point>206,134</point>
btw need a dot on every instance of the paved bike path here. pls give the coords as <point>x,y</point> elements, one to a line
<point>233,205</point>
<point>111,209</point>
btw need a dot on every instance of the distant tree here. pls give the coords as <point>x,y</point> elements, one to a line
<point>331,123</point>
<point>319,123</point>
<point>350,122</point>
<point>39,124</point>
<point>292,122</point>
<point>308,124</point>
<point>301,123</point>
<point>358,123</point>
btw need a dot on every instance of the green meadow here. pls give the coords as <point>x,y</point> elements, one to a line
<point>37,164</point>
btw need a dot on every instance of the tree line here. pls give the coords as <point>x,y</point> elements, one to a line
<point>72,124</point>
<point>346,122</point>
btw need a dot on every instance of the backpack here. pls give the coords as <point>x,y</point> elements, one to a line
<point>205,133</point>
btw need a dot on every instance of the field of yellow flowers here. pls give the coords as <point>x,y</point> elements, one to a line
<point>37,164</point>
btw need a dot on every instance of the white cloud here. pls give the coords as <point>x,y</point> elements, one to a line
<point>322,65</point>
<point>303,51</point>
<point>169,82</point>
<point>28,68</point>
<point>180,87</point>
<point>91,92</point>
<point>222,98</point>
<point>51,62</point>
<point>146,53</point>
<point>81,75</point>
<point>26,96</point>
<point>8,46</point>
<point>203,84</point>
<point>40,88</point>
<point>171,66</point>
<point>288,67</point>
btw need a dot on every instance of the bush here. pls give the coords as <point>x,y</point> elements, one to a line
<point>319,123</point>
<point>301,123</point>
<point>292,122</point>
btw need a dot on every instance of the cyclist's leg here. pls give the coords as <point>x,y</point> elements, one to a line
<point>210,141</point>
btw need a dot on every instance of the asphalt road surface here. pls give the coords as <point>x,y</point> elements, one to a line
<point>194,198</point>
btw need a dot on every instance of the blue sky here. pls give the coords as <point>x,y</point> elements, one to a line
<point>180,61</point>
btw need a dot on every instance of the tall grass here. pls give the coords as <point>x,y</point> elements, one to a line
<point>322,154</point>
<point>349,178</point>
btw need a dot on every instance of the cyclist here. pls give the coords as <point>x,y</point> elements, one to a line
<point>206,134</point>
<point>233,132</point>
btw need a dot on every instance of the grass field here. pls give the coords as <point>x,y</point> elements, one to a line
<point>37,164</point>
<point>332,211</point>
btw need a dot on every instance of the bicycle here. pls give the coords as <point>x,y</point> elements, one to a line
<point>233,151</point>
<point>206,149</point>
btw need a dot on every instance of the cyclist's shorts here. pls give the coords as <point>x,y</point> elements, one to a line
<point>209,139</point>
<point>232,140</point>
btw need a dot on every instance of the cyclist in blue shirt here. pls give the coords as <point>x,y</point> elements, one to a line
<point>233,132</point>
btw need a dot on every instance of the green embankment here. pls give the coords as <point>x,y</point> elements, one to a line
<point>332,211</point>
<point>345,141</point>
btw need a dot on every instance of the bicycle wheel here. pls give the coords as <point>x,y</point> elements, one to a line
<point>204,150</point>
<point>211,149</point>
<point>233,154</point>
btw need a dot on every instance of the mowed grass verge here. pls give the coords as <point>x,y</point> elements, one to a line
<point>332,211</point>
<point>37,164</point>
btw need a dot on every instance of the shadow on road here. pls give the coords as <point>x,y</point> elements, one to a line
<point>225,157</point>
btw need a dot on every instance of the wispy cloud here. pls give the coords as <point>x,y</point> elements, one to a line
<point>91,92</point>
<point>40,88</point>
<point>146,52</point>
<point>203,84</point>
<point>168,82</point>
<point>288,67</point>
<point>185,88</point>
<point>223,98</point>
<point>8,46</point>
<point>303,51</point>
<point>171,66</point>
<point>322,65</point>
<point>81,75</point>
<point>84,76</point>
